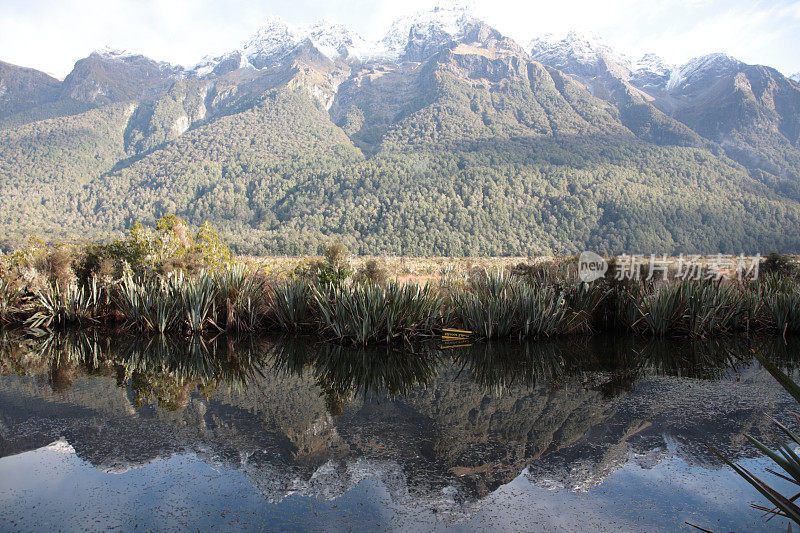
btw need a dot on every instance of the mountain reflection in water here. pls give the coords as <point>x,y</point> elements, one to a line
<point>421,430</point>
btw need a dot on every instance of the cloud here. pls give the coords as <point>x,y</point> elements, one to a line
<point>52,34</point>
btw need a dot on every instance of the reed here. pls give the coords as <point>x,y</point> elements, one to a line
<point>289,304</point>
<point>10,301</point>
<point>783,308</point>
<point>491,304</point>
<point>361,314</point>
<point>198,300</point>
<point>57,305</point>
<point>241,298</point>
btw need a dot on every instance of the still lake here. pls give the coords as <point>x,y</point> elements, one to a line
<point>118,432</point>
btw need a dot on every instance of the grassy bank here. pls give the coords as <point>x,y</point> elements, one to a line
<point>173,280</point>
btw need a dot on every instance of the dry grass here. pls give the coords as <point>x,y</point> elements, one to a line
<point>399,268</point>
<point>406,269</point>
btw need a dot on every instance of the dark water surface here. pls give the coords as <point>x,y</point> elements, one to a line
<point>598,434</point>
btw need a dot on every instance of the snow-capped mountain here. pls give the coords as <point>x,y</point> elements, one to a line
<point>588,56</point>
<point>650,71</point>
<point>110,52</point>
<point>697,69</point>
<point>578,54</point>
<point>109,75</point>
<point>795,77</point>
<point>418,36</point>
<point>381,94</point>
<point>276,39</point>
<point>681,102</point>
<point>411,38</point>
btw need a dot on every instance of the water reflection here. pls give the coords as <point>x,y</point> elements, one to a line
<point>441,428</point>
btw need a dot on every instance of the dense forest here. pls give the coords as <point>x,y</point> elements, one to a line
<point>473,152</point>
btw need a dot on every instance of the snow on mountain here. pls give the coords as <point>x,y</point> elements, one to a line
<point>587,55</point>
<point>795,77</point>
<point>418,36</point>
<point>698,68</point>
<point>412,38</point>
<point>109,52</point>
<point>650,71</point>
<point>274,39</point>
<point>427,31</point>
<point>578,53</point>
<point>278,38</point>
<point>337,41</point>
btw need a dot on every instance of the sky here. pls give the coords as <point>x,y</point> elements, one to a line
<point>50,35</point>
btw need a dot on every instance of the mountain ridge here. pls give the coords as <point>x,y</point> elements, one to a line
<point>449,138</point>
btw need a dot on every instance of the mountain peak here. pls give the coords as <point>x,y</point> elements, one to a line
<point>651,62</point>
<point>795,77</point>
<point>698,67</point>
<point>650,71</point>
<point>336,40</point>
<point>109,52</point>
<point>129,58</point>
<point>419,35</point>
<point>578,53</point>
<point>276,38</point>
<point>413,38</point>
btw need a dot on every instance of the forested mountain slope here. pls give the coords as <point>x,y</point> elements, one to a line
<point>445,138</point>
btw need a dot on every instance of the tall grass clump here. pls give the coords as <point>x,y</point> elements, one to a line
<point>149,303</point>
<point>10,301</point>
<point>583,301</point>
<point>360,314</point>
<point>241,296</point>
<point>198,299</point>
<point>289,304</point>
<point>694,308</point>
<point>782,307</point>
<point>58,305</point>
<point>488,307</point>
<point>498,305</point>
<point>542,311</point>
<point>171,303</point>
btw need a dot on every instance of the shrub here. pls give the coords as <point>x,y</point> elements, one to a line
<point>336,267</point>
<point>373,272</point>
<point>332,270</point>
<point>168,248</point>
<point>58,265</point>
<point>779,264</point>
<point>95,262</point>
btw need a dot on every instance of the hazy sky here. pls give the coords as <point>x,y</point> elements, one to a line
<point>51,35</point>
